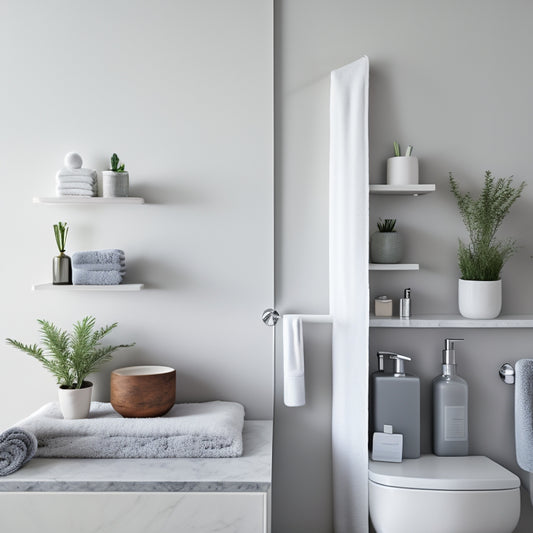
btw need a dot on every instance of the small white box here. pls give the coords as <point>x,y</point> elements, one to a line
<point>387,446</point>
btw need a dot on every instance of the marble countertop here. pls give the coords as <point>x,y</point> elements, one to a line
<point>251,472</point>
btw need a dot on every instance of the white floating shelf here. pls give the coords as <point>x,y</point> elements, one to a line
<point>95,200</point>
<point>393,266</point>
<point>412,190</point>
<point>451,321</point>
<point>125,287</point>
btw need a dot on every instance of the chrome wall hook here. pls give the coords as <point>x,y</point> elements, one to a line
<point>507,374</point>
<point>270,317</point>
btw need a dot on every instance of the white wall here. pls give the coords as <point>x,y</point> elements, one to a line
<point>182,91</point>
<point>453,79</point>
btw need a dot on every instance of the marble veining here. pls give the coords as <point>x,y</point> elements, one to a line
<point>451,321</point>
<point>249,473</point>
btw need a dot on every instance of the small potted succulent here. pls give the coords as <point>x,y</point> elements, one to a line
<point>61,264</point>
<point>71,357</point>
<point>386,243</point>
<point>482,259</point>
<point>115,181</point>
<point>402,169</point>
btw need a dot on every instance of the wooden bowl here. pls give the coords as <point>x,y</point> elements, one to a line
<point>143,391</point>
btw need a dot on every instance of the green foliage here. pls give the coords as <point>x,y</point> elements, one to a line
<point>60,233</point>
<point>387,225</point>
<point>71,357</point>
<point>396,149</point>
<point>115,164</point>
<point>484,257</point>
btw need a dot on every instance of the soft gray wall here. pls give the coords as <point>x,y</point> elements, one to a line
<point>182,90</point>
<point>453,79</point>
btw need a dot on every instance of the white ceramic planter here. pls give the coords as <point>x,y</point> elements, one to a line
<point>115,184</point>
<point>480,299</point>
<point>75,403</point>
<point>402,170</point>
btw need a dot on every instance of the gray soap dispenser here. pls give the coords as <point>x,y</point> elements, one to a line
<point>396,402</point>
<point>450,407</point>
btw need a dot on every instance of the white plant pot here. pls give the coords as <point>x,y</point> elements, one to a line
<point>115,184</point>
<point>75,403</point>
<point>480,299</point>
<point>402,170</point>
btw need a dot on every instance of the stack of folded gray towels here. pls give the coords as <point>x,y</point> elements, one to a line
<point>98,267</point>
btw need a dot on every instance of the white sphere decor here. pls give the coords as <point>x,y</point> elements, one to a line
<point>73,160</point>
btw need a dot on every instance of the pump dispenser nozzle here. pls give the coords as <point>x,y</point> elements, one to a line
<point>399,367</point>
<point>448,356</point>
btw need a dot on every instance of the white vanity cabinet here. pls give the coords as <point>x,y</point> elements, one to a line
<point>144,495</point>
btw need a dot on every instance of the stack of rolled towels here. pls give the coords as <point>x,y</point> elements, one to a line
<point>98,267</point>
<point>73,180</point>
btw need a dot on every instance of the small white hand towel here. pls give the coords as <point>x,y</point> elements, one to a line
<point>76,179</point>
<point>77,172</point>
<point>75,192</point>
<point>69,185</point>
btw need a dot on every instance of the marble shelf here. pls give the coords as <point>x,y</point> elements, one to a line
<point>249,473</point>
<point>451,321</point>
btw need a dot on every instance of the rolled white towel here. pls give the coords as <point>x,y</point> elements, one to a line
<point>95,277</point>
<point>76,179</point>
<point>112,255</point>
<point>77,172</point>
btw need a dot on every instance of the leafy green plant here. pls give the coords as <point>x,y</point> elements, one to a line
<point>71,357</point>
<point>60,233</point>
<point>115,164</point>
<point>387,225</point>
<point>484,257</point>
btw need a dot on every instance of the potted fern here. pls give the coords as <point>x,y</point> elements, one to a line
<point>482,259</point>
<point>71,357</point>
<point>386,243</point>
<point>115,181</point>
<point>61,264</point>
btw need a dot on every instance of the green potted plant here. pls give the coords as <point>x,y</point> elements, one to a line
<point>71,357</point>
<point>402,169</point>
<point>61,264</point>
<point>482,259</point>
<point>115,181</point>
<point>386,243</point>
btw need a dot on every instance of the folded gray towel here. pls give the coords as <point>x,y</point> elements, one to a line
<point>98,256</point>
<point>209,429</point>
<point>119,267</point>
<point>96,277</point>
<point>523,413</point>
<point>17,447</point>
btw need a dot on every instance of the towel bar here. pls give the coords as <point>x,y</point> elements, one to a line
<point>507,374</point>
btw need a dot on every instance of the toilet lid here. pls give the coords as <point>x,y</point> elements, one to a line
<point>431,472</point>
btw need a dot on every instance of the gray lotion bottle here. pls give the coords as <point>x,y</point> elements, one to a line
<point>396,402</point>
<point>450,407</point>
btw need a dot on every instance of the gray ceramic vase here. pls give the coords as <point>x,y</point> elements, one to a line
<point>386,247</point>
<point>61,270</point>
<point>115,184</point>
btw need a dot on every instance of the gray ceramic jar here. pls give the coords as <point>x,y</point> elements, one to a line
<point>386,247</point>
<point>115,184</point>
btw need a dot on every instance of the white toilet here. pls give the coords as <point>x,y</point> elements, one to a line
<point>470,494</point>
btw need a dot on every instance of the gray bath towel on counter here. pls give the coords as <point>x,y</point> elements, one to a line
<point>523,413</point>
<point>207,430</point>
<point>17,447</point>
<point>96,277</point>
<point>98,256</point>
